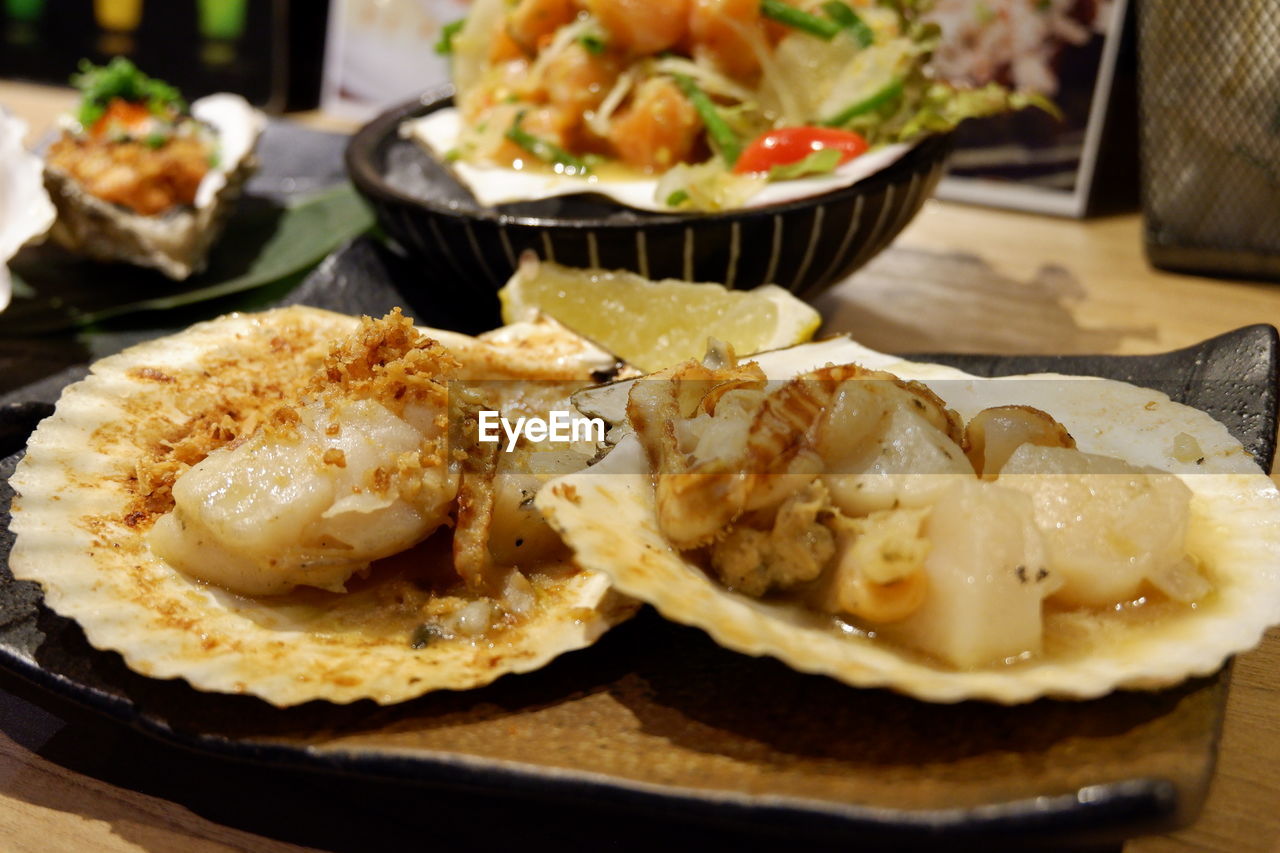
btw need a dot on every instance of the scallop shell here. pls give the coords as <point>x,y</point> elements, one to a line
<point>75,537</point>
<point>1235,527</point>
<point>26,212</point>
<point>177,242</point>
<point>439,132</point>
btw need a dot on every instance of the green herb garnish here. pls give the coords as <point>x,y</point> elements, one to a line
<point>594,43</point>
<point>444,46</point>
<point>799,19</point>
<point>156,140</point>
<point>822,162</point>
<point>677,198</point>
<point>722,136</point>
<point>548,152</point>
<point>120,78</point>
<point>849,20</point>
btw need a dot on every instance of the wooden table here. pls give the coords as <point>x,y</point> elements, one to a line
<point>961,279</point>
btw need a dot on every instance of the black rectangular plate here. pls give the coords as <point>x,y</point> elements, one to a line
<point>1233,377</point>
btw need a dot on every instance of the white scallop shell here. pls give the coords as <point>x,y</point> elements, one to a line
<point>440,131</point>
<point>607,515</point>
<point>96,569</point>
<point>26,212</point>
<point>175,243</point>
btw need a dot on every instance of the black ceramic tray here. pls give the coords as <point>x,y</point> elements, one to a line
<point>657,721</point>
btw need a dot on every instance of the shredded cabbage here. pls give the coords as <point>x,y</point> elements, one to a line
<point>709,79</point>
<point>598,119</point>
<point>564,39</point>
<point>706,187</point>
<point>471,44</point>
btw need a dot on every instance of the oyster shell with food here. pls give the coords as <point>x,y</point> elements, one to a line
<point>293,505</point>
<point>139,177</point>
<point>1028,537</point>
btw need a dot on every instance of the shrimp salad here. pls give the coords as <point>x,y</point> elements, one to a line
<point>711,100</point>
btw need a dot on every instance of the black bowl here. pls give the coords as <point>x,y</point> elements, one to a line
<point>804,245</point>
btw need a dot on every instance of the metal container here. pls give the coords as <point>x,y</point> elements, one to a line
<point>1209,87</point>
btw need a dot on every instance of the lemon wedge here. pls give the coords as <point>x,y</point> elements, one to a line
<point>654,324</point>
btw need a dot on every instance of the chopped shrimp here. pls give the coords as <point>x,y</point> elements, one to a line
<point>577,80</point>
<point>658,130</point>
<point>533,22</point>
<point>545,122</point>
<point>502,47</point>
<point>643,27</point>
<point>720,33</point>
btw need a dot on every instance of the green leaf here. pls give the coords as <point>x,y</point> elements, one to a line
<point>822,162</point>
<point>944,106</point>
<point>444,46</point>
<point>263,244</point>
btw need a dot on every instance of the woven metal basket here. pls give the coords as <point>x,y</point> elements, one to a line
<point>1209,83</point>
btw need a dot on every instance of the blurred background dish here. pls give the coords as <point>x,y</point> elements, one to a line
<point>1077,52</point>
<point>805,245</point>
<point>269,51</point>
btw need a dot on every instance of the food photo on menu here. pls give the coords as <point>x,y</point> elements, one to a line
<point>839,423</point>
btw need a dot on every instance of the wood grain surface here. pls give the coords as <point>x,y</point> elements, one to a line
<point>959,279</point>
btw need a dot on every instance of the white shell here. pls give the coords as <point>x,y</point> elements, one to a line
<point>439,133</point>
<point>174,243</point>
<point>26,212</point>
<point>98,570</point>
<point>1235,528</point>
